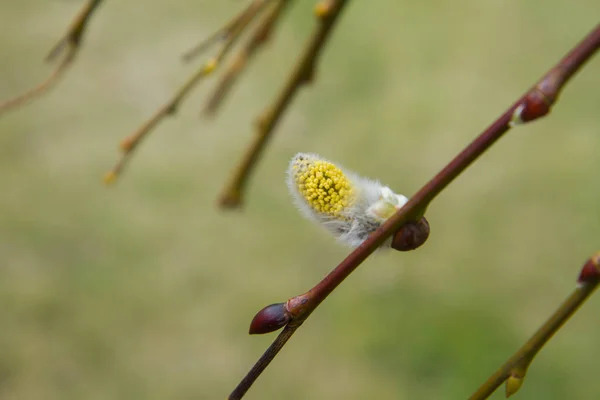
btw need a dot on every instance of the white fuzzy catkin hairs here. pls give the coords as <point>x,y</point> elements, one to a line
<point>347,205</point>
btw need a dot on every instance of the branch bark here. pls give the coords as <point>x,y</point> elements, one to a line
<point>534,104</point>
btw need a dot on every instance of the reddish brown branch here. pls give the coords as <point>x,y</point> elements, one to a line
<point>532,105</point>
<point>72,42</point>
<point>328,13</point>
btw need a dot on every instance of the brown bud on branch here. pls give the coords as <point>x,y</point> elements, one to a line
<point>411,235</point>
<point>415,207</point>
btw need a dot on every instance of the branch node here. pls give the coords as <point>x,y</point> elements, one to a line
<point>258,39</point>
<point>303,72</point>
<point>513,384</point>
<point>270,319</point>
<point>323,9</point>
<point>171,109</point>
<point>127,144</point>
<point>411,235</point>
<point>513,371</point>
<point>297,306</point>
<point>535,105</point>
<point>590,272</point>
<point>71,40</point>
<point>210,66</point>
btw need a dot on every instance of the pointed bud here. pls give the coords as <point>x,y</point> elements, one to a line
<point>210,66</point>
<point>109,178</point>
<point>411,235</point>
<point>269,319</point>
<point>590,272</point>
<point>127,144</point>
<point>323,8</point>
<point>513,384</point>
<point>534,106</point>
<point>540,99</point>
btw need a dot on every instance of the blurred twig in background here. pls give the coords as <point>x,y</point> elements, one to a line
<point>327,12</point>
<point>256,41</point>
<point>229,35</point>
<point>72,42</point>
<point>534,104</point>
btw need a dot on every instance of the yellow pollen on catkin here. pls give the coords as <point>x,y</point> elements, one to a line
<point>323,185</point>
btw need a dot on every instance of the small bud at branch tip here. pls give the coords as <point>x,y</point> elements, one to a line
<point>269,319</point>
<point>126,144</point>
<point>323,8</point>
<point>109,178</point>
<point>590,272</point>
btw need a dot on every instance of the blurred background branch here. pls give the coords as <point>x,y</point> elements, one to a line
<point>254,43</point>
<point>327,13</point>
<point>229,35</point>
<point>132,298</point>
<point>71,41</point>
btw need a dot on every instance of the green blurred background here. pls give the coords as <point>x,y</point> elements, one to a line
<point>145,290</point>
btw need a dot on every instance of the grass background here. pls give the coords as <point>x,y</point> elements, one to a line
<point>146,290</point>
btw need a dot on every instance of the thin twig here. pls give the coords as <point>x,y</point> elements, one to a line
<point>232,31</point>
<point>256,41</point>
<point>72,41</point>
<point>513,371</point>
<point>328,13</point>
<point>534,104</point>
<point>232,28</point>
<point>263,362</point>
